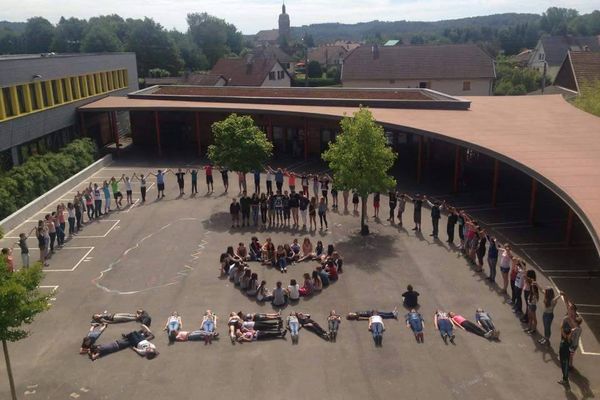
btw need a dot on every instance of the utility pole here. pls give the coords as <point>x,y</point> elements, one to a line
<point>305,60</point>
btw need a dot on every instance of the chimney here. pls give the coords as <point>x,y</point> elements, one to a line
<point>375,51</point>
<point>586,48</point>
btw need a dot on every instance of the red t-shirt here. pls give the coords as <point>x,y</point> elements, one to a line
<point>208,169</point>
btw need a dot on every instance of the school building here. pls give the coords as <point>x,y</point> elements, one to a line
<point>522,147</point>
<point>40,94</point>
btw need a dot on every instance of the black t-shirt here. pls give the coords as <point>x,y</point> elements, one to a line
<point>286,202</point>
<point>234,208</point>
<point>294,202</point>
<point>254,201</point>
<point>23,246</point>
<point>376,197</point>
<point>393,200</point>
<point>180,176</point>
<point>418,205</point>
<point>304,203</point>
<point>224,173</point>
<point>245,203</point>
<point>452,219</point>
<point>410,298</point>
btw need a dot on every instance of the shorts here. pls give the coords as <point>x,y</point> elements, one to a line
<point>504,270</point>
<point>417,217</point>
<point>376,204</point>
<point>117,195</point>
<point>129,192</point>
<point>161,187</point>
<point>209,179</point>
<point>181,184</point>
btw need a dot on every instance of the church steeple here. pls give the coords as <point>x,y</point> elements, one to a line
<point>284,23</point>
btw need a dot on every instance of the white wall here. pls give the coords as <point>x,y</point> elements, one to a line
<point>285,82</point>
<point>454,87</point>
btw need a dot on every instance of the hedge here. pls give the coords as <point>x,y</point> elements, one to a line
<point>316,82</point>
<point>24,183</point>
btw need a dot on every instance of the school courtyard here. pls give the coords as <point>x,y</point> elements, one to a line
<point>163,256</point>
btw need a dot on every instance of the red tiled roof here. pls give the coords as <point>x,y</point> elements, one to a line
<point>327,54</point>
<point>203,79</point>
<point>418,62</point>
<point>244,71</point>
<point>577,68</point>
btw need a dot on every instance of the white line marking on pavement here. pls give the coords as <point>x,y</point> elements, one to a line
<point>90,249</point>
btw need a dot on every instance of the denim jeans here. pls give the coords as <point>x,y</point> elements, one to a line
<point>208,326</point>
<point>547,320</point>
<point>294,327</point>
<point>445,327</point>
<point>25,258</point>
<point>173,326</point>
<point>377,329</point>
<point>563,355</point>
<point>334,324</point>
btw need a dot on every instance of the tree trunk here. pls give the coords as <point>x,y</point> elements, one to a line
<point>13,391</point>
<point>364,228</point>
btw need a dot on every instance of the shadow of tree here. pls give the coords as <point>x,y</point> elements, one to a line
<point>366,252</point>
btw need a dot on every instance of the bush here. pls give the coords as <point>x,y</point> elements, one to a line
<point>314,69</point>
<point>40,173</point>
<point>315,82</point>
<point>589,97</point>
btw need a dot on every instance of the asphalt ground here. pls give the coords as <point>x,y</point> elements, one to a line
<point>163,256</point>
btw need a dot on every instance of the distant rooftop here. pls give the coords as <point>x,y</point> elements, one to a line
<point>7,57</point>
<point>383,98</point>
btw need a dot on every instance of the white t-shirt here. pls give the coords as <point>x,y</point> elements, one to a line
<point>269,176</point>
<point>505,260</point>
<point>376,319</point>
<point>145,345</point>
<point>294,291</point>
<point>128,185</point>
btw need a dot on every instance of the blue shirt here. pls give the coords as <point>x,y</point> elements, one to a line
<point>415,321</point>
<point>160,178</point>
<point>256,176</point>
<point>279,176</point>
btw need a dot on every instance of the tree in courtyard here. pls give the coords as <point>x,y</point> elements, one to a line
<point>360,159</point>
<point>239,144</point>
<point>20,302</point>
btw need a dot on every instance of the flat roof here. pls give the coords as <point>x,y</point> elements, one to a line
<point>544,136</point>
<point>13,57</point>
<point>324,96</point>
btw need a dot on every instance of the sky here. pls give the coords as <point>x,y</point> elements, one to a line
<point>250,16</point>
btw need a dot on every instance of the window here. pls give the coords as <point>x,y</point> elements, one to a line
<point>47,94</point>
<point>21,99</point>
<point>423,85</point>
<point>32,95</point>
<point>55,92</point>
<point>280,75</point>
<point>541,56</point>
<point>272,75</point>
<point>466,85</point>
<point>8,104</point>
<point>65,89</point>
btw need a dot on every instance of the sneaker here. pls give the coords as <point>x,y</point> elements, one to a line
<point>488,334</point>
<point>445,338</point>
<point>542,341</point>
<point>395,312</point>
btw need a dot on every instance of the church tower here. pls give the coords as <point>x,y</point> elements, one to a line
<point>284,23</point>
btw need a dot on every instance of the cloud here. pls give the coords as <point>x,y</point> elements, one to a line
<point>253,15</point>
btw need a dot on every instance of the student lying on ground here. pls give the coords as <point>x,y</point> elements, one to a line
<point>196,336</point>
<point>365,315</point>
<point>139,340</point>
<point>484,320</point>
<point>249,335</point>
<point>376,327</point>
<point>415,322</point>
<point>94,333</point>
<point>310,325</point>
<point>461,322</point>
<point>443,324</point>
<point>108,318</point>
<point>173,326</point>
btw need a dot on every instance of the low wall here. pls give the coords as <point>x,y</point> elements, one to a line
<point>52,195</point>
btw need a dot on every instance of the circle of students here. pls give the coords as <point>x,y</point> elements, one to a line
<point>283,208</point>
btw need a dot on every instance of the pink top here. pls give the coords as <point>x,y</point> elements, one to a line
<point>292,179</point>
<point>459,319</point>
<point>208,169</point>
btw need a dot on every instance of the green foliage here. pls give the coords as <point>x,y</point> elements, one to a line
<point>215,37</point>
<point>514,80</point>
<point>360,157</point>
<point>193,57</point>
<point>40,173</point>
<point>314,69</point>
<point>100,39</point>
<point>38,35</point>
<point>315,82</point>
<point>555,20</point>
<point>239,144</point>
<point>68,35</point>
<point>589,97</point>
<point>158,73</point>
<point>334,73</point>
<point>20,300</point>
<point>153,47</point>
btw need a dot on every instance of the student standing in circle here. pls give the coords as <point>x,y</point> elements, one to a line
<point>142,180</point>
<point>392,203</point>
<point>116,192</point>
<point>303,207</point>
<point>376,199</point>
<point>304,181</point>
<point>209,178</point>
<point>312,213</point>
<point>160,183</point>
<point>269,181</point>
<point>128,191</point>
<point>242,181</point>
<point>97,201</point>
<point>194,175</point>
<point>323,212</point>
<point>256,181</point>
<point>181,181</point>
<point>225,177</point>
<point>106,192</point>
